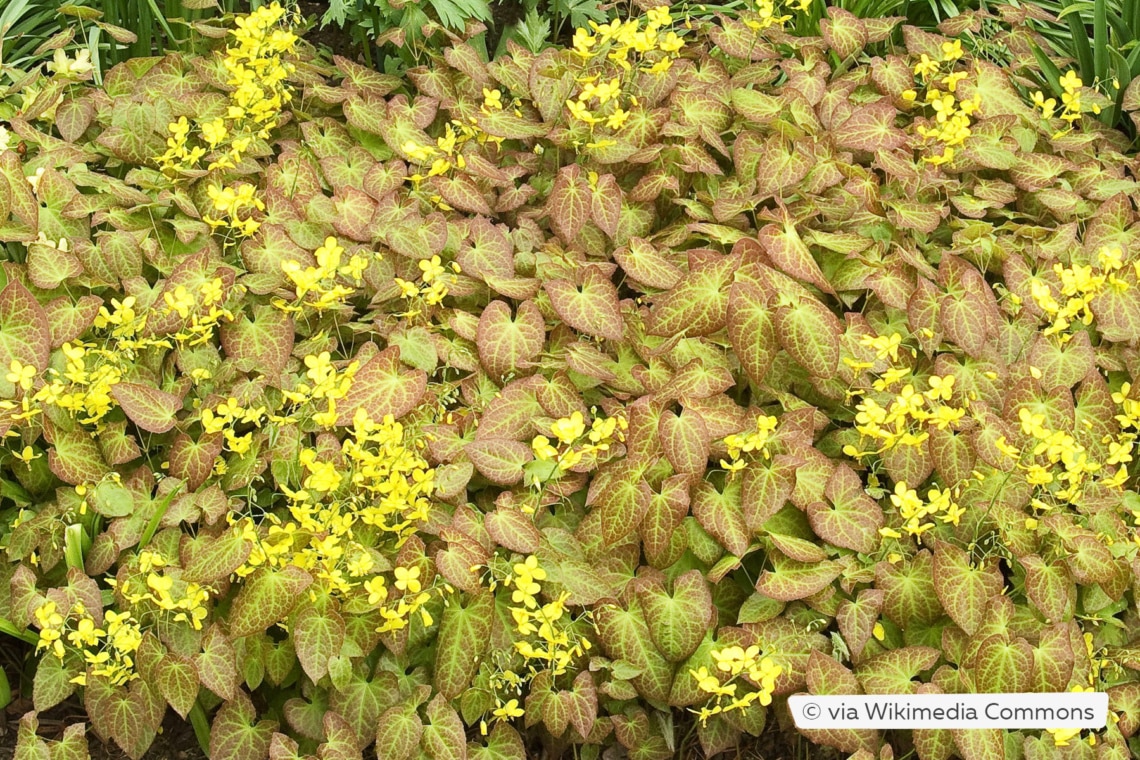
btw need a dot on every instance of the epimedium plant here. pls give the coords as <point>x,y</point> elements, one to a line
<point>600,397</point>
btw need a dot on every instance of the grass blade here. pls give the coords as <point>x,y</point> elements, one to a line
<point>1080,38</point>
<point>1100,40</point>
<point>156,518</point>
<point>23,634</point>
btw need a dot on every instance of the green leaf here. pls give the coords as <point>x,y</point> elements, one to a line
<point>234,733</point>
<point>789,580</point>
<point>318,636</point>
<point>1002,665</point>
<point>909,593</point>
<point>464,634</point>
<point>398,733</point>
<point>266,598</point>
<point>677,622</point>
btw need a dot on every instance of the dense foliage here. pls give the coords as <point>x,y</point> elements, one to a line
<point>600,397</point>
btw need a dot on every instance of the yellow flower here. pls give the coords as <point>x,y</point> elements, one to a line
<point>569,429</point>
<point>1070,82</point>
<point>509,710</point>
<point>407,579</point>
<point>21,374</point>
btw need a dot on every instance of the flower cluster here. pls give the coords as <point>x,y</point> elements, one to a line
<point>1078,285</point>
<point>572,442</point>
<point>771,13</point>
<point>731,663</point>
<point>908,417</point>
<point>379,481</point>
<point>741,443</point>
<point>435,281</point>
<point>322,287</point>
<point>257,69</point>
<point>915,512</point>
<point>1071,106</point>
<point>235,208</point>
<point>162,592</point>
<point>104,648</point>
<point>952,113</point>
<point>641,41</point>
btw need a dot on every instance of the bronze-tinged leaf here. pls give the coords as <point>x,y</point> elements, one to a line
<point>721,514</point>
<point>871,128</point>
<point>853,519</point>
<point>381,388</point>
<point>506,345</point>
<point>679,620</point>
<point>698,305</point>
<point>791,255</point>
<point>963,589</point>
<point>857,618</point>
<point>843,32</point>
<point>236,733</point>
<point>512,529</point>
<point>590,307</point>
<point>264,342</point>
<point>789,580</point>
<point>499,460</point>
<point>752,330</point>
<point>1002,665</point>
<point>265,598</point>
<point>685,441</point>
<point>605,204</point>
<point>1050,588</point>
<point>569,203</point>
<point>646,266</point>
<point>810,333</point>
<point>25,334</point>
<point>909,593</point>
<point>892,671</point>
<point>399,731</point>
<point>153,410</point>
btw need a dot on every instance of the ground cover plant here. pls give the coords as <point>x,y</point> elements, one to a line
<point>589,401</point>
